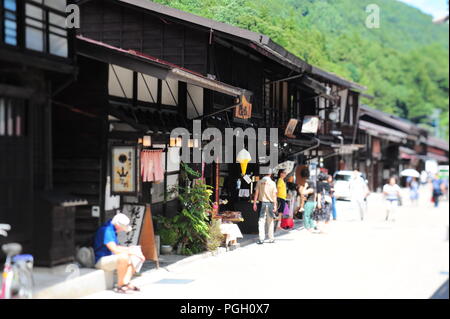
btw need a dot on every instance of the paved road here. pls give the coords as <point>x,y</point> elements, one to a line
<point>370,259</point>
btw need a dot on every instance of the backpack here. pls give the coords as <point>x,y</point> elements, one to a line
<point>326,195</point>
<point>86,257</point>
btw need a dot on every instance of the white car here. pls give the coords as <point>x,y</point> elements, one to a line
<point>342,184</point>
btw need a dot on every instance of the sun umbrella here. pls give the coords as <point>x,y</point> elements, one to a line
<point>410,172</point>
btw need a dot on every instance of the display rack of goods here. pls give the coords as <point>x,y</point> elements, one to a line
<point>230,216</point>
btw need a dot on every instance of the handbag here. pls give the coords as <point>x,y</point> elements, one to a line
<point>287,223</point>
<point>286,211</point>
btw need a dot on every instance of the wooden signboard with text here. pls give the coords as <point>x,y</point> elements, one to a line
<point>147,240</point>
<point>243,110</point>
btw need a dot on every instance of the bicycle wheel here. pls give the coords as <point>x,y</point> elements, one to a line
<point>23,282</point>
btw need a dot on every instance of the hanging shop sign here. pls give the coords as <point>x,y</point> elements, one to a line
<point>310,124</point>
<point>123,170</point>
<point>247,179</point>
<point>243,110</point>
<point>288,167</point>
<point>376,148</point>
<point>290,128</point>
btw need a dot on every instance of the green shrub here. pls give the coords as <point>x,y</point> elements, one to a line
<point>215,236</point>
<point>168,236</point>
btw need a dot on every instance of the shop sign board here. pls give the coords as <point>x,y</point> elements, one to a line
<point>443,171</point>
<point>243,110</point>
<point>136,215</point>
<point>310,124</point>
<point>290,129</point>
<point>123,170</point>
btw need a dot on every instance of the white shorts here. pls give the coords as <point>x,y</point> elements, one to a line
<point>107,263</point>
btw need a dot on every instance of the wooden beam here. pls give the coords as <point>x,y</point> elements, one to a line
<point>16,91</point>
<point>41,62</point>
<point>124,60</point>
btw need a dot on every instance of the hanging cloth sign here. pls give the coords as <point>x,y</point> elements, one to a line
<point>151,166</point>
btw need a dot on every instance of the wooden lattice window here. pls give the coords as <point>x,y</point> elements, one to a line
<point>12,117</point>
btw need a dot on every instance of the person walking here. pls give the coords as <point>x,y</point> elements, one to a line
<point>358,193</point>
<point>392,197</point>
<point>281,195</point>
<point>414,191</point>
<point>266,195</point>
<point>333,198</point>
<point>323,210</point>
<point>310,195</point>
<point>302,178</point>
<point>445,187</point>
<point>437,189</point>
<point>423,178</point>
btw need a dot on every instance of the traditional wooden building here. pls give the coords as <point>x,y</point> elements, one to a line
<point>133,100</point>
<point>36,62</point>
<point>282,87</point>
<point>134,71</point>
<point>437,150</point>
<point>391,145</point>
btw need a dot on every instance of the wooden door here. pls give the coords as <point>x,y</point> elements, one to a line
<point>16,177</point>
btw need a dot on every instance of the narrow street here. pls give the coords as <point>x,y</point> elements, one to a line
<point>408,258</point>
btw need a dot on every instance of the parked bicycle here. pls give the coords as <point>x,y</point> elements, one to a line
<point>17,278</point>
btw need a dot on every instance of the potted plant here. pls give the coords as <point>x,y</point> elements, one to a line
<point>168,239</point>
<point>215,236</point>
<point>192,222</point>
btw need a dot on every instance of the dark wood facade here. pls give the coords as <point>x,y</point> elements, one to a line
<point>134,29</point>
<point>391,145</point>
<point>202,50</point>
<point>36,61</point>
<point>79,140</point>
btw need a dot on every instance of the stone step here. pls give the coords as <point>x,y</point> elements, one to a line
<point>68,282</point>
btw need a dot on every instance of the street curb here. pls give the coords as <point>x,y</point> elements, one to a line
<point>278,234</point>
<point>191,259</point>
<point>158,273</point>
<point>84,285</point>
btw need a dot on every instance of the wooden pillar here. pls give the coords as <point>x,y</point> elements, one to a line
<point>217,164</point>
<point>182,98</point>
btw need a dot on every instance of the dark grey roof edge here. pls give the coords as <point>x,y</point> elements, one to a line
<point>337,79</point>
<point>395,120</point>
<point>260,39</point>
<point>292,58</point>
<point>195,19</point>
<point>438,142</point>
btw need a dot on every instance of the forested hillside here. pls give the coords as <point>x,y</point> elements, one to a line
<point>404,63</point>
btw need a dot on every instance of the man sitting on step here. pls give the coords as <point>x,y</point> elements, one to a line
<point>109,256</point>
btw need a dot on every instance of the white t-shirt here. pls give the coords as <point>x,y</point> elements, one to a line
<point>423,177</point>
<point>391,191</point>
<point>267,190</point>
<point>358,188</point>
